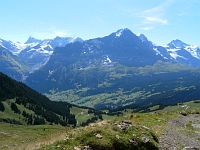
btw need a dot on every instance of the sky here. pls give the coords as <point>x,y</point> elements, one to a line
<point>161,21</point>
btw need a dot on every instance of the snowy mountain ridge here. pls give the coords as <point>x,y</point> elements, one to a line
<point>175,50</point>
<point>36,52</point>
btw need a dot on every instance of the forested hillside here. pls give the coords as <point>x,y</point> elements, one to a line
<point>33,106</point>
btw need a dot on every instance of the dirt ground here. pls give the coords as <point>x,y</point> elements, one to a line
<point>182,133</point>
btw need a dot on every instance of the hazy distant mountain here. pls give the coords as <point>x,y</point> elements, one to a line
<point>180,52</point>
<point>38,54</point>
<point>34,52</point>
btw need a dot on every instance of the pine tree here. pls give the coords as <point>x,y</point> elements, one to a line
<point>14,108</point>
<point>2,108</point>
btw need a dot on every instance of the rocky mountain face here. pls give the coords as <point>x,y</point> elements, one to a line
<point>12,65</point>
<point>122,47</point>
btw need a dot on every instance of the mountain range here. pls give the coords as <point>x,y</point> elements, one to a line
<point>33,53</point>
<point>116,70</point>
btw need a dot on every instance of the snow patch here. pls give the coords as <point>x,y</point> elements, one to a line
<point>106,60</point>
<point>50,72</point>
<point>158,52</point>
<point>174,55</point>
<point>119,33</point>
<point>193,51</point>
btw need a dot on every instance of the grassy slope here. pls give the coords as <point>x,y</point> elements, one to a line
<point>9,114</point>
<point>81,114</point>
<point>28,137</point>
<point>151,124</point>
<point>22,136</point>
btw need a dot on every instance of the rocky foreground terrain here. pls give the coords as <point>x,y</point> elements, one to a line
<point>181,133</point>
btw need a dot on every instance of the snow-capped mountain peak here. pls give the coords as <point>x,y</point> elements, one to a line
<point>122,31</point>
<point>32,40</point>
<point>36,52</point>
<point>62,41</point>
<point>177,44</point>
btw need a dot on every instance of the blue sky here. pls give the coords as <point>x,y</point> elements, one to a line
<point>160,20</point>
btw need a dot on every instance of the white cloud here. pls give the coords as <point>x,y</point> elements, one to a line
<point>155,20</point>
<point>160,8</point>
<point>147,28</point>
<point>156,15</point>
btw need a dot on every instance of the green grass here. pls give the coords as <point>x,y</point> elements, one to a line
<point>75,110</point>
<point>190,107</point>
<point>81,115</point>
<point>112,137</point>
<point>23,136</point>
<point>150,125</point>
<point>132,92</point>
<point>8,113</point>
<point>107,117</point>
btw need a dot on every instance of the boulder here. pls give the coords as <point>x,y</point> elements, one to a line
<point>99,136</point>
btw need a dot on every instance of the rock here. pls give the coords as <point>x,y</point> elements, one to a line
<point>117,136</point>
<point>130,125</point>
<point>122,127</point>
<point>145,127</point>
<point>116,123</point>
<point>190,148</point>
<point>124,124</point>
<point>196,126</point>
<point>145,139</point>
<point>126,121</point>
<point>77,148</point>
<point>87,148</point>
<point>197,132</point>
<point>131,141</point>
<point>99,136</point>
